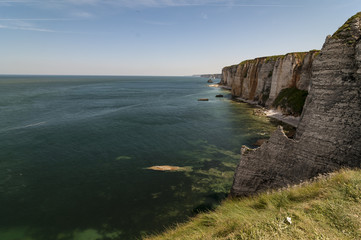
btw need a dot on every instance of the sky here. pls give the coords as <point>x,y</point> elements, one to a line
<point>158,37</point>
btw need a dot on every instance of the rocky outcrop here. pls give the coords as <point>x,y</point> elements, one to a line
<point>329,133</point>
<point>262,79</point>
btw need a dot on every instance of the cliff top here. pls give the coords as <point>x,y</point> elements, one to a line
<point>350,30</point>
<point>299,55</point>
<point>328,207</point>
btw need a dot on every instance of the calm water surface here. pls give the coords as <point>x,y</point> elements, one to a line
<point>74,153</point>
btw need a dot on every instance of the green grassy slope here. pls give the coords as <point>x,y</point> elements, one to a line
<point>329,207</point>
<point>291,100</point>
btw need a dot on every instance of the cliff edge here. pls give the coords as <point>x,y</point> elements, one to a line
<point>329,133</point>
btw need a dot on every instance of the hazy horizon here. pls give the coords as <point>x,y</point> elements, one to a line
<point>104,75</point>
<point>158,37</point>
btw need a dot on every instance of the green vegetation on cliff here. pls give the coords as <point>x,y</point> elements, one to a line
<point>274,58</point>
<point>344,32</point>
<point>299,55</point>
<point>327,208</point>
<point>291,100</point>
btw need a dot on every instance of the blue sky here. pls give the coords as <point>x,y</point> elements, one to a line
<point>158,37</point>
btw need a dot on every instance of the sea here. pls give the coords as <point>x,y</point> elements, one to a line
<point>76,152</point>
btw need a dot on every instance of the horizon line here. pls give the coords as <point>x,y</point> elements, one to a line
<point>102,75</point>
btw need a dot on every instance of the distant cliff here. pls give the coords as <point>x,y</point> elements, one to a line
<point>216,75</point>
<point>329,133</point>
<point>262,80</point>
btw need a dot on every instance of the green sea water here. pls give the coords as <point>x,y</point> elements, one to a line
<point>74,153</point>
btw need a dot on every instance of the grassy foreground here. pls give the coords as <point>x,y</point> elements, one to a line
<point>329,207</point>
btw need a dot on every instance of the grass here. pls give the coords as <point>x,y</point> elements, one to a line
<point>299,55</point>
<point>328,207</point>
<point>344,32</point>
<point>274,58</point>
<point>292,100</point>
<point>247,61</point>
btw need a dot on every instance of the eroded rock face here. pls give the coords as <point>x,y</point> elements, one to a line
<point>262,79</point>
<point>329,133</point>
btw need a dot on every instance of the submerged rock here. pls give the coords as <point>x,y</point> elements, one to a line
<point>259,112</point>
<point>259,142</point>
<point>166,168</point>
<point>210,81</point>
<point>219,95</point>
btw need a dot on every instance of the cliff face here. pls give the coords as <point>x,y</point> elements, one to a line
<point>262,79</point>
<point>329,133</point>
